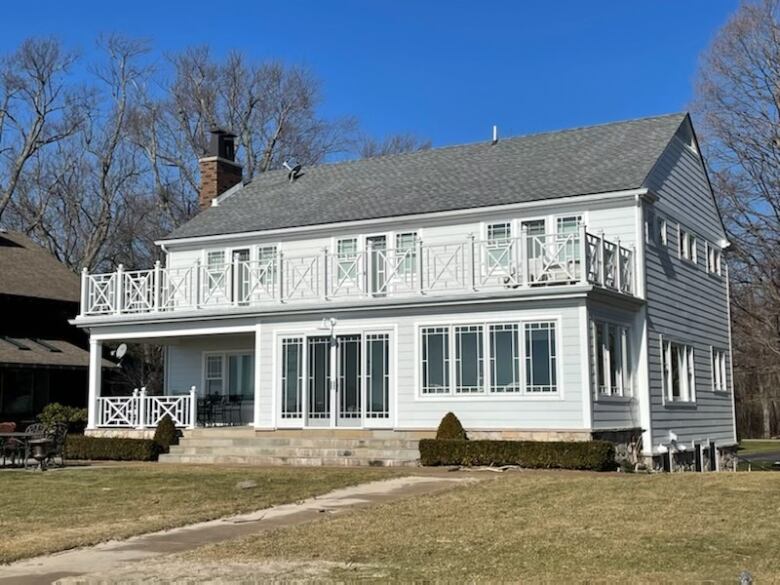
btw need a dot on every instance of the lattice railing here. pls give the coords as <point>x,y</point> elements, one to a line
<point>143,411</point>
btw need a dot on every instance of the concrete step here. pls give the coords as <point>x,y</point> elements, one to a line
<point>298,442</point>
<point>302,461</point>
<point>185,450</point>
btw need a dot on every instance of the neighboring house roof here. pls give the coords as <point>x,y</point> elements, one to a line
<point>43,352</point>
<point>596,159</point>
<point>29,270</point>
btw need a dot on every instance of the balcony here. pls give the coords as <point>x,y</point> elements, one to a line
<point>422,269</point>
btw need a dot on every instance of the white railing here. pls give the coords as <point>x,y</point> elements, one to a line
<point>423,268</point>
<point>141,411</point>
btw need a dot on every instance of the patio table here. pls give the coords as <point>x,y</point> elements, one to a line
<point>22,436</point>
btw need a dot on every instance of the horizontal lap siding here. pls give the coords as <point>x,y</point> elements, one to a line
<point>184,361</point>
<point>685,303</point>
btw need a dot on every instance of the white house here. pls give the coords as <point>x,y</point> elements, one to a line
<point>564,285</point>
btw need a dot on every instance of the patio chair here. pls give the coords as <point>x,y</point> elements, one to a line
<point>58,433</point>
<point>5,444</point>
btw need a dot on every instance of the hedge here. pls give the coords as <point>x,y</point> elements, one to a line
<point>590,455</point>
<point>112,448</point>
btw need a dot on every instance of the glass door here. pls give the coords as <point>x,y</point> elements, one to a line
<point>378,273</point>
<point>318,383</point>
<point>349,399</point>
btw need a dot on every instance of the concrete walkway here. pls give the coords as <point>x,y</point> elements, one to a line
<point>96,563</point>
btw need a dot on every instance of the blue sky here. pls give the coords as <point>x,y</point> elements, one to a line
<point>444,70</point>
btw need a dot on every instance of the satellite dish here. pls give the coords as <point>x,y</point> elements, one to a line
<point>120,351</point>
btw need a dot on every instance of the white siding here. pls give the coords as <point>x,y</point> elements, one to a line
<point>184,359</point>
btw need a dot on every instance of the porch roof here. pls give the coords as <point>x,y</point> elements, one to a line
<point>581,161</point>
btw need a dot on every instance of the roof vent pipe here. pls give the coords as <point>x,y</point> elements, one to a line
<point>495,134</point>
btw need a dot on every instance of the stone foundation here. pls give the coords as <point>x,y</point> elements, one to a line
<point>686,460</point>
<point>530,435</point>
<point>628,445</point>
<point>121,433</point>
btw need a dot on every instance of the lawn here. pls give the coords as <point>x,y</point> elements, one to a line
<point>758,446</point>
<point>558,527</point>
<point>61,509</point>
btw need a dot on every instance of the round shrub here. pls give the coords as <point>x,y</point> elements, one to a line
<point>166,434</point>
<point>450,428</point>
<point>75,418</point>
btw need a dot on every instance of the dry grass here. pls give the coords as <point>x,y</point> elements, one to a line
<point>545,526</point>
<point>61,509</point>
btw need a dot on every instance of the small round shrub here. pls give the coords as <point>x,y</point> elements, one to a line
<point>75,418</point>
<point>166,434</point>
<point>450,428</point>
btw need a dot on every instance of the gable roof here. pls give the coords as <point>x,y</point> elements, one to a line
<point>29,270</point>
<point>580,161</point>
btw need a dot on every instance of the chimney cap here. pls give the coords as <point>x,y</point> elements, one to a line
<point>222,144</point>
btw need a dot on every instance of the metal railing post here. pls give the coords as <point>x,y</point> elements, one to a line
<point>325,273</point>
<point>618,263</point>
<point>583,251</point>
<point>120,276</point>
<point>84,292</point>
<point>142,408</point>
<point>602,266</point>
<point>156,286</point>
<point>193,407</point>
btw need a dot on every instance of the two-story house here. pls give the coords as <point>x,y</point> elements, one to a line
<point>564,285</point>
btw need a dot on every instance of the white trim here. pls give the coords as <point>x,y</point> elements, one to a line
<point>256,412</point>
<point>587,398</point>
<point>478,212</point>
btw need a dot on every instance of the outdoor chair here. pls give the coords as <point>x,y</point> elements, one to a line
<point>58,433</point>
<point>6,445</point>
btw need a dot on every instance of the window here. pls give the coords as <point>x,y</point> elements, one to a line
<point>611,350</point>
<point>215,271</point>
<point>435,360</point>
<point>377,375</point>
<point>540,357</point>
<point>215,379</point>
<point>406,251</point>
<point>266,262</point>
<point>347,252</point>
<point>662,238</point>
<point>292,377</point>
<point>678,372</point>
<point>569,226</point>
<point>499,246</point>
<point>469,359</point>
<point>688,246</point>
<point>713,259</point>
<point>241,381</point>
<point>718,358</point>
<point>504,358</point>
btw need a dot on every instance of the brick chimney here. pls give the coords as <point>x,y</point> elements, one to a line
<point>219,170</point>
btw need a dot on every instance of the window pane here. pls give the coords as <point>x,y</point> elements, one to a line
<point>346,250</point>
<point>568,225</point>
<point>406,251</point>
<point>378,375</point>
<point>499,245</point>
<point>266,260</point>
<point>292,378</point>
<point>601,382</point>
<point>675,363</point>
<point>540,357</point>
<point>615,360</point>
<point>504,358</point>
<point>469,361</point>
<point>435,360</point>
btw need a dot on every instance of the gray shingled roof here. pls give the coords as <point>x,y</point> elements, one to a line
<point>595,159</point>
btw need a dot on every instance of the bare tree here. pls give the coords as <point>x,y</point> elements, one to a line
<point>36,110</point>
<point>738,109</point>
<point>393,144</point>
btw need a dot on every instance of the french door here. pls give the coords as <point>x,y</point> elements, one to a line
<point>342,381</point>
<point>377,276</point>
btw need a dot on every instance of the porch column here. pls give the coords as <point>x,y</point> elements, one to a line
<point>95,364</point>
<point>256,406</point>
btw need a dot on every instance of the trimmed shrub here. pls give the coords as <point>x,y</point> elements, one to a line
<point>450,428</point>
<point>166,434</point>
<point>75,418</point>
<point>590,455</point>
<point>110,448</point>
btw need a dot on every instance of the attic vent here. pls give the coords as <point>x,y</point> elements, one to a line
<point>293,169</point>
<point>47,345</point>
<point>16,343</point>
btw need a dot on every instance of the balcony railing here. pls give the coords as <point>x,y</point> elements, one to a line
<point>465,266</point>
<point>142,411</point>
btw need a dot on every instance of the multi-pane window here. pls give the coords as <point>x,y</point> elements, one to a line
<point>347,253</point>
<point>612,368</point>
<point>406,251</point>
<point>568,226</point>
<point>377,348</point>
<point>435,360</point>
<point>499,246</point>
<point>215,271</point>
<point>489,358</point>
<point>678,372</point>
<point>469,359</point>
<point>504,358</point>
<point>540,357</point>
<point>292,377</point>
<point>215,378</point>
<point>713,259</point>
<point>266,263</point>
<point>719,370</point>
